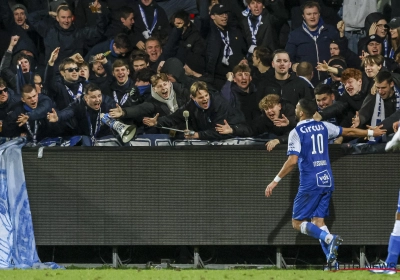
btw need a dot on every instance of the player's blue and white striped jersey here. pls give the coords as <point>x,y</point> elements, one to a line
<point>309,141</point>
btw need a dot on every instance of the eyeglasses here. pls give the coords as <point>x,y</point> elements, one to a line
<point>71,69</point>
<point>39,84</point>
<point>4,90</point>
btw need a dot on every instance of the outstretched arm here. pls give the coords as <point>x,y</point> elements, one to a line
<point>371,132</point>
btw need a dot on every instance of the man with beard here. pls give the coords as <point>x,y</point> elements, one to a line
<point>288,86</point>
<point>205,112</point>
<point>67,89</point>
<point>101,73</point>
<point>151,21</point>
<point>380,103</point>
<point>20,120</point>
<point>241,94</point>
<point>277,118</point>
<point>64,33</point>
<point>123,89</point>
<point>325,97</point>
<point>308,148</point>
<point>166,98</point>
<point>87,114</point>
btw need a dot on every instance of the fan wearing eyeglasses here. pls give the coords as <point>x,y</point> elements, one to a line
<point>69,87</point>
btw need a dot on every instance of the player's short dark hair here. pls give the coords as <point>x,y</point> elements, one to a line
<point>91,87</point>
<point>310,4</point>
<point>183,15</point>
<point>323,89</point>
<point>383,76</point>
<point>144,75</point>
<point>308,106</point>
<point>264,54</point>
<point>122,41</point>
<point>124,12</point>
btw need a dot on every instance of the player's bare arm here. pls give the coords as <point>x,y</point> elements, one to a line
<point>287,167</point>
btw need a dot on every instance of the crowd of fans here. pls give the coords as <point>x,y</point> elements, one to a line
<point>238,67</point>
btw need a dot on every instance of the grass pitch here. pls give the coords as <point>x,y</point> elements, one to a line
<point>169,274</point>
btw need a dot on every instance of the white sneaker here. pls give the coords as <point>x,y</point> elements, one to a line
<point>382,268</point>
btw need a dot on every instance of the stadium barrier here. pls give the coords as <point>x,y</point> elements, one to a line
<point>204,195</point>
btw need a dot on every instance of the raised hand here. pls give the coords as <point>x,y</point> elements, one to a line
<point>54,56</point>
<point>13,41</point>
<point>340,27</point>
<point>372,29</point>
<point>77,58</point>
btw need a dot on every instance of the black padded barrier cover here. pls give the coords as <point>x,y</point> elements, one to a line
<point>198,196</point>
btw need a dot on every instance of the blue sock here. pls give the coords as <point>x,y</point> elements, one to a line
<point>325,247</point>
<point>393,251</point>
<point>316,232</point>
